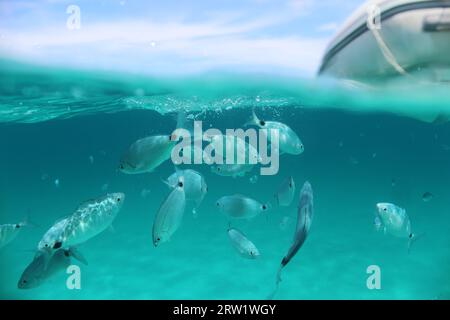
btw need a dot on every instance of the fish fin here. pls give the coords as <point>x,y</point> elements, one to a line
<point>61,219</point>
<point>166,183</point>
<point>413,238</point>
<point>74,252</point>
<point>253,121</point>
<point>181,119</point>
<point>277,284</point>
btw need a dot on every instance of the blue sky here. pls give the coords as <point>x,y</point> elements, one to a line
<point>174,36</point>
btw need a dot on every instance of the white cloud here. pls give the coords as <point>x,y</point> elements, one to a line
<point>166,47</point>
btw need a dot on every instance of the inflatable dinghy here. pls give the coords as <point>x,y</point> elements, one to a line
<point>392,38</point>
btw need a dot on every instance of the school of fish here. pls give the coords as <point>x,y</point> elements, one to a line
<point>59,244</point>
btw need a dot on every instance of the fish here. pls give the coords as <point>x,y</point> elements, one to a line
<point>146,154</point>
<point>235,145</point>
<point>253,179</point>
<point>305,216</point>
<point>170,215</point>
<point>285,221</point>
<point>195,187</point>
<point>395,221</point>
<point>145,192</point>
<point>241,207</point>
<point>427,197</point>
<point>285,193</point>
<point>289,142</point>
<point>232,170</point>
<point>88,220</point>
<point>8,232</point>
<point>45,266</point>
<point>242,244</point>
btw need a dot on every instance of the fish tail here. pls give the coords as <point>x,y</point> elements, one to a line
<point>413,238</point>
<point>277,284</point>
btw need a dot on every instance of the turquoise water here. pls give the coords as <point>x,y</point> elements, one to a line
<point>363,145</point>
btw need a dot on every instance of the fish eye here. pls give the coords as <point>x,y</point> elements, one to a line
<point>385,209</point>
<point>264,207</point>
<point>122,167</point>
<point>17,226</point>
<point>118,199</point>
<point>180,184</point>
<point>262,123</point>
<point>217,204</point>
<point>46,245</point>
<point>251,253</point>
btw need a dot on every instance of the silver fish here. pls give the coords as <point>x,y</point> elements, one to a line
<point>395,221</point>
<point>146,154</point>
<point>289,141</point>
<point>242,244</point>
<point>8,232</point>
<point>304,219</point>
<point>240,207</point>
<point>170,214</point>
<point>45,266</point>
<point>235,145</point>
<point>285,193</point>
<point>195,187</point>
<point>232,170</point>
<point>89,219</point>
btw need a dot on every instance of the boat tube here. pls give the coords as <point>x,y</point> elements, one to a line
<point>390,39</point>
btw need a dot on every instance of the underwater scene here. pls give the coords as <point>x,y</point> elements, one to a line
<point>203,158</point>
<point>56,158</point>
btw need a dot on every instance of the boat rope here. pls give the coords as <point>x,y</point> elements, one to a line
<point>387,53</point>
